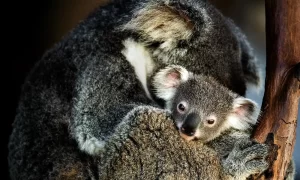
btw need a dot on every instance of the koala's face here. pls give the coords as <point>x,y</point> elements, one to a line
<point>201,107</point>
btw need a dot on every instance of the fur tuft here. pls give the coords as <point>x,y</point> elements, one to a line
<point>140,59</point>
<point>244,114</point>
<point>161,23</point>
<point>168,79</point>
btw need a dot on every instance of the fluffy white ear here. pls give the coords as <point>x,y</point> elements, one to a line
<point>166,81</point>
<point>244,113</point>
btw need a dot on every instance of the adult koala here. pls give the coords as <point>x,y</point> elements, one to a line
<point>83,114</point>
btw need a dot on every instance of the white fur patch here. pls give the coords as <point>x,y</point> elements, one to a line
<point>139,57</point>
<point>241,118</point>
<point>237,123</point>
<point>166,89</point>
<point>90,144</point>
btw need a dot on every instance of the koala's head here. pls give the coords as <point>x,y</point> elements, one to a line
<point>200,106</point>
<point>181,31</point>
<point>193,34</point>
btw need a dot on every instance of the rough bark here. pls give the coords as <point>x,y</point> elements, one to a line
<point>282,89</point>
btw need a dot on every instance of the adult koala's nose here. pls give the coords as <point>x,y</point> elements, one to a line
<point>190,124</point>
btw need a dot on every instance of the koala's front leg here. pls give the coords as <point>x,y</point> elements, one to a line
<point>246,158</point>
<point>106,91</point>
<point>93,134</point>
<point>86,135</point>
<point>92,128</point>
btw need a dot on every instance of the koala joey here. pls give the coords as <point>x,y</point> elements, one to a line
<point>201,107</point>
<point>205,110</point>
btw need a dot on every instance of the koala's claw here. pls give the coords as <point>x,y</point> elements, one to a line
<point>242,144</point>
<point>244,161</point>
<point>90,144</point>
<point>256,166</point>
<point>255,151</point>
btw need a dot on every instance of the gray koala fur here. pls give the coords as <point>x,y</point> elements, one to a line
<point>145,146</point>
<point>84,115</point>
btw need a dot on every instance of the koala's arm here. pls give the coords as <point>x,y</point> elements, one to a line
<point>144,145</point>
<point>105,92</point>
<point>147,145</point>
<point>240,156</point>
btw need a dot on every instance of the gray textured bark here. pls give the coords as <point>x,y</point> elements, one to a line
<point>282,89</point>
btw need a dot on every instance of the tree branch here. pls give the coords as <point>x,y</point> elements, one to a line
<point>282,89</point>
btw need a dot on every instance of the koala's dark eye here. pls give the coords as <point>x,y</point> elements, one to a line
<point>210,121</point>
<point>181,107</point>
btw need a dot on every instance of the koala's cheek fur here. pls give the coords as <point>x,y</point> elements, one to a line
<point>205,136</point>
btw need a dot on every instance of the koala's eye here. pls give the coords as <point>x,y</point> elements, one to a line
<point>210,121</point>
<point>181,107</point>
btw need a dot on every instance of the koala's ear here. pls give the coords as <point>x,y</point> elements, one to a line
<point>167,80</point>
<point>244,113</point>
<point>161,23</point>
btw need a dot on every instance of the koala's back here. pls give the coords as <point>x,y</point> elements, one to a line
<point>41,138</point>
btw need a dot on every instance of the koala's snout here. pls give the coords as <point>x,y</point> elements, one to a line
<point>190,124</point>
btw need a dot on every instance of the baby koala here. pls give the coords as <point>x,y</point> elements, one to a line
<point>201,106</point>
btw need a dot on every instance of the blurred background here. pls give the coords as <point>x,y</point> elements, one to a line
<point>35,26</point>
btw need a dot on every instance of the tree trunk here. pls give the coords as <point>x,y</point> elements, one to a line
<point>282,89</point>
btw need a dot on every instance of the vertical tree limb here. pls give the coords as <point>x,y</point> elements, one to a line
<point>282,89</point>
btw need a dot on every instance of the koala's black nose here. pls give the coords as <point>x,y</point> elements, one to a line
<point>187,131</point>
<point>190,124</point>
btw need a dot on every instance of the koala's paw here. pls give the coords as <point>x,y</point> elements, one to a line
<point>246,158</point>
<point>90,144</point>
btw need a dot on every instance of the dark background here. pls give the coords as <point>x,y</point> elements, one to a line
<point>33,27</point>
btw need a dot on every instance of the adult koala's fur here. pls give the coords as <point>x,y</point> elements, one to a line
<point>84,115</point>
